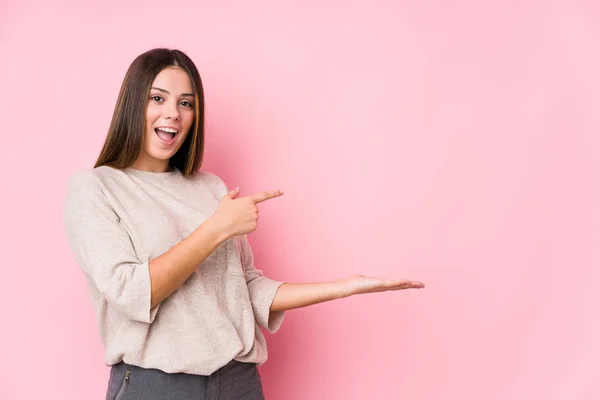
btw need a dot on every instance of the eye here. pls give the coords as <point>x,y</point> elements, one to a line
<point>156,97</point>
<point>186,103</point>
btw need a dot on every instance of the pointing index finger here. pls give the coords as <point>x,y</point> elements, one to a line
<point>259,198</point>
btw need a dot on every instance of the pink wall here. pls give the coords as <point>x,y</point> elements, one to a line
<point>454,143</point>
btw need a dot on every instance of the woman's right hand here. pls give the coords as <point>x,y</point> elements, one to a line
<point>239,216</point>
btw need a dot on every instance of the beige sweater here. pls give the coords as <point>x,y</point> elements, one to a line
<point>116,222</point>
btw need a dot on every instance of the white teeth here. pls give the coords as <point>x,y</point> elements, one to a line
<point>168,130</point>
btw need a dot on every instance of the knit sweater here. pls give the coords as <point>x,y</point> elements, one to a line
<point>116,222</point>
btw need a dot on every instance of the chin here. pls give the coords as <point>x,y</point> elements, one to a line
<point>162,155</point>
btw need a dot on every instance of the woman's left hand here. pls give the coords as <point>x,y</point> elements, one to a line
<point>296,295</point>
<point>359,284</point>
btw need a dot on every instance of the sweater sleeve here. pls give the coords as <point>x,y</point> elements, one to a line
<point>103,249</point>
<point>262,290</point>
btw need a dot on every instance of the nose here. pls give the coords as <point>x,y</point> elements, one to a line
<point>171,111</point>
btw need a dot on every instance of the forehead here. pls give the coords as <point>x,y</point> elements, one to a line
<point>174,80</point>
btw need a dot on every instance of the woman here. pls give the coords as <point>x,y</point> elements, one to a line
<point>164,250</point>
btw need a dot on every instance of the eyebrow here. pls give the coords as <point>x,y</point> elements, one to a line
<point>167,92</point>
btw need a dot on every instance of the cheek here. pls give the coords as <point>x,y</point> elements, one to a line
<point>152,114</point>
<point>188,120</point>
<point>151,117</point>
<point>148,138</point>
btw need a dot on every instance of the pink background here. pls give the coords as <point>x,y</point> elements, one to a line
<point>452,142</point>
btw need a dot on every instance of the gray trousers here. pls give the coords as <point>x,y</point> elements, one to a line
<point>234,381</point>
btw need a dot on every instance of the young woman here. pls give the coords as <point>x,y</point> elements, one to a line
<point>164,250</point>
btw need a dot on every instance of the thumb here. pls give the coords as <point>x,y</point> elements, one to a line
<point>234,193</point>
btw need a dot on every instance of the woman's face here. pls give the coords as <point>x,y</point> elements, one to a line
<point>169,116</point>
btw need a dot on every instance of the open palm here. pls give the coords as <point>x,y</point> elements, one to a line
<point>358,284</point>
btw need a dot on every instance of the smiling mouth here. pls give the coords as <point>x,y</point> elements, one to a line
<point>166,135</point>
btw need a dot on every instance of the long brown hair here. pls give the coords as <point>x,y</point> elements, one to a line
<point>125,136</point>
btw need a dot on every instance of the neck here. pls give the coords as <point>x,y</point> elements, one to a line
<point>152,165</point>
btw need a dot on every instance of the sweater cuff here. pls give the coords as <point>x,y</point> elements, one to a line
<point>151,313</point>
<point>133,296</point>
<point>262,292</point>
